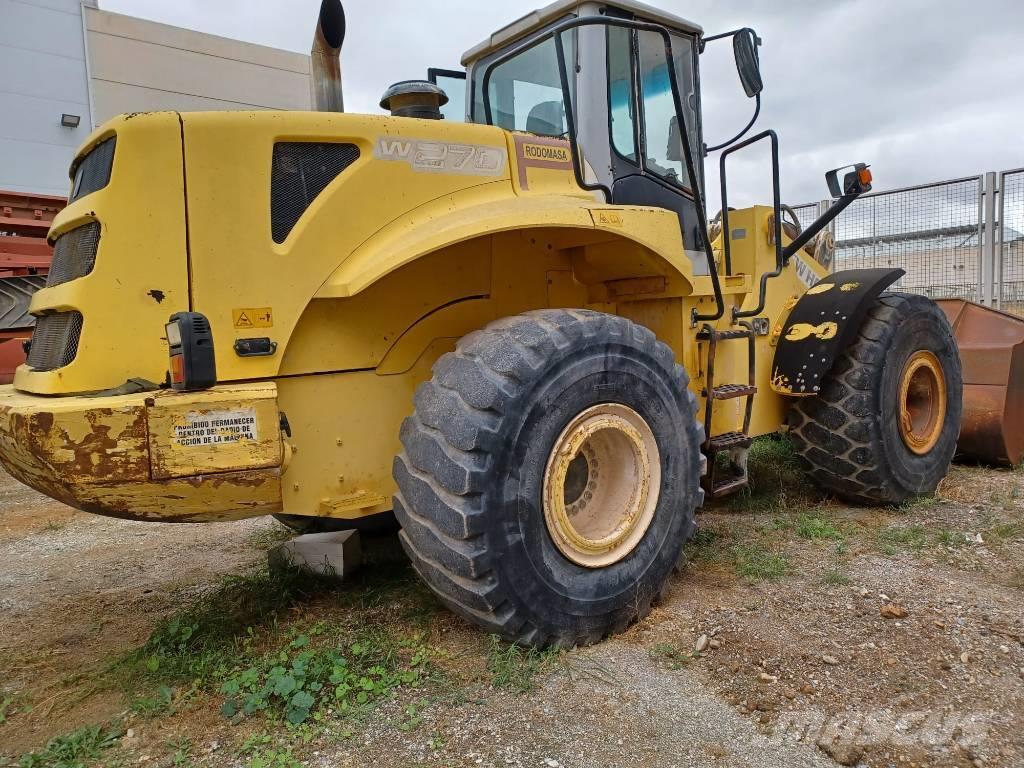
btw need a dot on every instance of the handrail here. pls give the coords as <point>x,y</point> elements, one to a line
<point>777,205</point>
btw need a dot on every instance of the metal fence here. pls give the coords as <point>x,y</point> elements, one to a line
<point>1011,242</point>
<point>961,238</point>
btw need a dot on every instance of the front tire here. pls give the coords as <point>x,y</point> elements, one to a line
<point>884,427</point>
<point>550,475</point>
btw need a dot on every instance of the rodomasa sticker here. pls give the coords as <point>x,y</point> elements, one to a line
<point>540,152</point>
<point>442,157</point>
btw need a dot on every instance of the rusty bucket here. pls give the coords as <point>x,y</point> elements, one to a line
<point>992,352</point>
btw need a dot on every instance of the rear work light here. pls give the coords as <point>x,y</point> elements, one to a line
<point>190,339</point>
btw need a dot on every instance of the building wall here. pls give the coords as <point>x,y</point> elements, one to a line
<point>139,66</point>
<point>54,61</point>
<point>42,76</point>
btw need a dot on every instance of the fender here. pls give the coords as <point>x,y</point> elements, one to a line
<point>822,324</point>
<point>442,224</point>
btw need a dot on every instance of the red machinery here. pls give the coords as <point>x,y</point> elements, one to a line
<point>24,262</point>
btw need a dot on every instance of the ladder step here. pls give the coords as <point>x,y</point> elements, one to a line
<point>728,485</point>
<point>728,440</point>
<point>729,391</point>
<point>738,333</point>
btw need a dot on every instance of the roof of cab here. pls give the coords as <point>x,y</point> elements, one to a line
<point>559,8</point>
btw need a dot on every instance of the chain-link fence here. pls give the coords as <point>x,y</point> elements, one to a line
<point>806,213</point>
<point>933,231</point>
<point>1011,239</point>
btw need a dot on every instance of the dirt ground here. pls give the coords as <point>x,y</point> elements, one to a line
<point>801,632</point>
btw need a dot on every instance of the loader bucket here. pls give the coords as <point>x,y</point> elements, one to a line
<point>992,352</point>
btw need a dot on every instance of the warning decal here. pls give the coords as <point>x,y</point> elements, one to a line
<point>253,317</point>
<point>216,428</point>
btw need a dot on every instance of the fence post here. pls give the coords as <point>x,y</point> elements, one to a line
<point>987,238</point>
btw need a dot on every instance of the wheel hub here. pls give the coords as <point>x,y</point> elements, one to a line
<point>923,396</point>
<point>601,485</point>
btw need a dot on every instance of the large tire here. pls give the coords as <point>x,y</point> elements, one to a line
<point>475,465</point>
<point>849,438</point>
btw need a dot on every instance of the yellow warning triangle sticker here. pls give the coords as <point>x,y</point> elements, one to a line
<point>243,321</point>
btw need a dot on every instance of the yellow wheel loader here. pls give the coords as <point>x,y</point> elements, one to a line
<point>510,330</point>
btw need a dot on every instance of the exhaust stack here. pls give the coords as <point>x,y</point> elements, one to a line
<point>325,58</point>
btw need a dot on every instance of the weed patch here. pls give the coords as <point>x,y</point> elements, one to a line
<point>755,563</point>
<point>894,540</point>
<point>812,527</point>
<point>705,547</point>
<point>350,677</point>
<point>835,577</point>
<point>514,667</point>
<point>777,483</point>
<point>674,657</point>
<point>73,750</point>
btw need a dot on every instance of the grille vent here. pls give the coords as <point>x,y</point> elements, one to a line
<point>54,340</point>
<point>74,254</point>
<point>93,172</point>
<point>300,172</point>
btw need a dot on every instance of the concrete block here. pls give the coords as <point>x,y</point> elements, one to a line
<point>334,554</point>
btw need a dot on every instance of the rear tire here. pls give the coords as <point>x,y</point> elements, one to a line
<point>884,427</point>
<point>480,478</point>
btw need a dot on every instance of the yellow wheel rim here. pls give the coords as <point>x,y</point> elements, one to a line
<point>601,485</point>
<point>923,397</point>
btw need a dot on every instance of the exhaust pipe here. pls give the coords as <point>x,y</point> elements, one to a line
<point>325,58</point>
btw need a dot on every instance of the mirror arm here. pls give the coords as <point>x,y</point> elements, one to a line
<point>757,111</point>
<point>819,224</point>
<point>723,35</point>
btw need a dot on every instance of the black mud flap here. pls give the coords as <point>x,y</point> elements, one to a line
<point>822,324</point>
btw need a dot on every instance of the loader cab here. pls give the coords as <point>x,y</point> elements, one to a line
<point>610,87</point>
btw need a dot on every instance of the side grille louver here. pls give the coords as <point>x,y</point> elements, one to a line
<point>93,172</point>
<point>54,340</point>
<point>74,254</point>
<point>300,172</point>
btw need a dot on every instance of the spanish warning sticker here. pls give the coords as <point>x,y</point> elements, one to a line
<point>201,428</point>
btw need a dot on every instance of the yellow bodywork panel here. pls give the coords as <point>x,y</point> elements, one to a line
<point>149,456</point>
<point>140,276</point>
<point>431,231</point>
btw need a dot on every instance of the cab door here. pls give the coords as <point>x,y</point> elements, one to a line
<point>646,140</point>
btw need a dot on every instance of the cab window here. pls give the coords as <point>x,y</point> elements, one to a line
<point>662,136</point>
<point>525,92</point>
<point>621,99</point>
<point>453,83</point>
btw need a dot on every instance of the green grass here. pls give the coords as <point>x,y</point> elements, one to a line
<point>707,546</point>
<point>755,563</point>
<point>248,644</point>
<point>74,750</point>
<point>812,527</point>
<point>835,577</point>
<point>514,667</point>
<point>304,678</point>
<point>946,537</point>
<point>675,658</point>
<point>776,481</point>
<point>1003,532</point>
<point>894,539</point>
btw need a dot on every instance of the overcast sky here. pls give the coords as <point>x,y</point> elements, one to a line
<point>923,90</point>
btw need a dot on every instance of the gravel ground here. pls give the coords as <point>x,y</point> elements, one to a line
<point>874,637</point>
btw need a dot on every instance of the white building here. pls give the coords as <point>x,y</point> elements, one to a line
<point>68,66</point>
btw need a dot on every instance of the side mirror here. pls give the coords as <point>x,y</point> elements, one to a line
<point>744,48</point>
<point>856,182</point>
